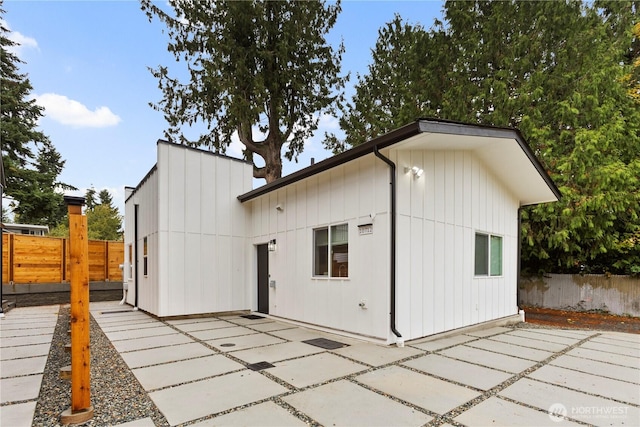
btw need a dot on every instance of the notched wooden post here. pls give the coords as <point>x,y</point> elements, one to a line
<point>81,409</point>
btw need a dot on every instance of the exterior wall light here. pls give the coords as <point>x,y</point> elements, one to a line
<point>272,245</point>
<point>417,172</point>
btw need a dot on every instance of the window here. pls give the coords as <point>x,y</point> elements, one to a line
<point>130,261</point>
<point>331,251</point>
<point>488,256</point>
<point>144,257</point>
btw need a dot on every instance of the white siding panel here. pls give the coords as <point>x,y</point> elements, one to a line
<point>403,273</point>
<point>417,279</point>
<point>192,189</point>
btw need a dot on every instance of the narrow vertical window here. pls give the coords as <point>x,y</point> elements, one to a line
<point>321,252</point>
<point>340,250</point>
<point>144,257</point>
<point>130,272</point>
<point>488,255</point>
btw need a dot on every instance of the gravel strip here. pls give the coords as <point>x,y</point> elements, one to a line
<point>116,395</point>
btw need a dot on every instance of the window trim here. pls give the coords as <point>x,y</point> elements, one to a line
<point>330,230</point>
<point>489,261</point>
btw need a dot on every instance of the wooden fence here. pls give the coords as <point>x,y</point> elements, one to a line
<point>37,259</point>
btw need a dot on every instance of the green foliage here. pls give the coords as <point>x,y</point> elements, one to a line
<point>103,220</point>
<point>31,163</point>
<point>555,70</point>
<point>252,65</point>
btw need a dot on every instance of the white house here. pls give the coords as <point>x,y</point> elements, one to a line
<point>408,235</point>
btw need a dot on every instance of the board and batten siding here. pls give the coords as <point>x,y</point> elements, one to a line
<point>438,216</point>
<point>202,241</point>
<point>146,197</point>
<point>351,193</point>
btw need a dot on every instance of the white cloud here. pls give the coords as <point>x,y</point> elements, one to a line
<point>19,38</point>
<point>73,113</point>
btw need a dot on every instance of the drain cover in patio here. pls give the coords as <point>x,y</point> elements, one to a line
<point>252,316</point>
<point>325,343</point>
<point>259,366</point>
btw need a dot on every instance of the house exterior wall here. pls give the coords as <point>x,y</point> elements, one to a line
<point>438,216</point>
<point>146,197</point>
<point>351,193</point>
<point>202,238</point>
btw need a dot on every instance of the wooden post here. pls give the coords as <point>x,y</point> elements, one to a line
<point>81,409</point>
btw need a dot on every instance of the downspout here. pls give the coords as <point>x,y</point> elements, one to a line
<point>392,174</point>
<point>135,239</point>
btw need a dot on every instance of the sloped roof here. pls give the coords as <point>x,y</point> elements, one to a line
<point>503,150</point>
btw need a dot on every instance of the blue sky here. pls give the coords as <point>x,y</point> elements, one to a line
<point>87,62</point>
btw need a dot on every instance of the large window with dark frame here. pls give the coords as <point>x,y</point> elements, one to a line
<point>331,251</point>
<point>144,257</point>
<point>488,255</point>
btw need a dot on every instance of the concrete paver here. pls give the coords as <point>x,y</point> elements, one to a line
<point>360,384</point>
<point>314,369</point>
<point>167,374</point>
<point>207,397</point>
<point>488,358</point>
<point>497,412</point>
<point>418,389</point>
<point>581,381</point>
<point>154,356</point>
<point>579,406</point>
<point>343,403</point>
<point>266,414</point>
<point>461,372</point>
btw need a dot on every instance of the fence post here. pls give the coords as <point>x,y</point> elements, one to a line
<point>81,409</point>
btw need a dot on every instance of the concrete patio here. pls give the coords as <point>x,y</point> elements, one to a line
<point>200,372</point>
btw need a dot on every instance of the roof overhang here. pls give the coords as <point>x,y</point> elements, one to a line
<point>504,151</point>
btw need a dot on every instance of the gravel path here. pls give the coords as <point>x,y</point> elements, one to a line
<point>116,395</point>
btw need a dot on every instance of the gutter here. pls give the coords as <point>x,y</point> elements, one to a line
<point>392,174</point>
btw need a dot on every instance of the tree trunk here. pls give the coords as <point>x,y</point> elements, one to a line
<point>273,165</point>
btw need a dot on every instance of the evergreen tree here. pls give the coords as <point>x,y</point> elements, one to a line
<point>255,67</point>
<point>103,220</point>
<point>556,71</point>
<point>31,177</point>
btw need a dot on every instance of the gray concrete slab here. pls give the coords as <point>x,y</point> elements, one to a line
<point>21,351</point>
<point>314,369</point>
<point>132,334</point>
<point>579,406</point>
<point>298,334</point>
<point>232,331</point>
<point>266,414</point>
<point>589,383</point>
<point>433,345</point>
<point>612,348</point>
<point>154,356</point>
<point>343,403</point>
<point>569,333</point>
<point>203,326</point>
<point>193,320</point>
<point>244,342</point>
<point>377,355</point>
<point>28,340</point>
<point>539,334</point>
<point>207,397</point>
<point>497,412</point>
<point>488,358</point>
<point>11,324</point>
<point>18,415</point>
<point>620,336</point>
<point>271,326</point>
<point>483,333</point>
<point>125,326</point>
<point>168,374</point>
<point>511,349</point>
<point>615,341</point>
<point>26,366</point>
<point>461,372</point>
<point>20,388</point>
<point>418,389</point>
<point>530,342</point>
<point>248,322</point>
<point>9,333</point>
<point>151,342</point>
<point>612,358</point>
<point>277,352</point>
<point>616,372</point>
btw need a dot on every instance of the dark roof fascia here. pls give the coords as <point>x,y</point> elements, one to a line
<point>200,150</point>
<point>457,128</point>
<point>146,177</point>
<point>420,126</point>
<point>339,159</point>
